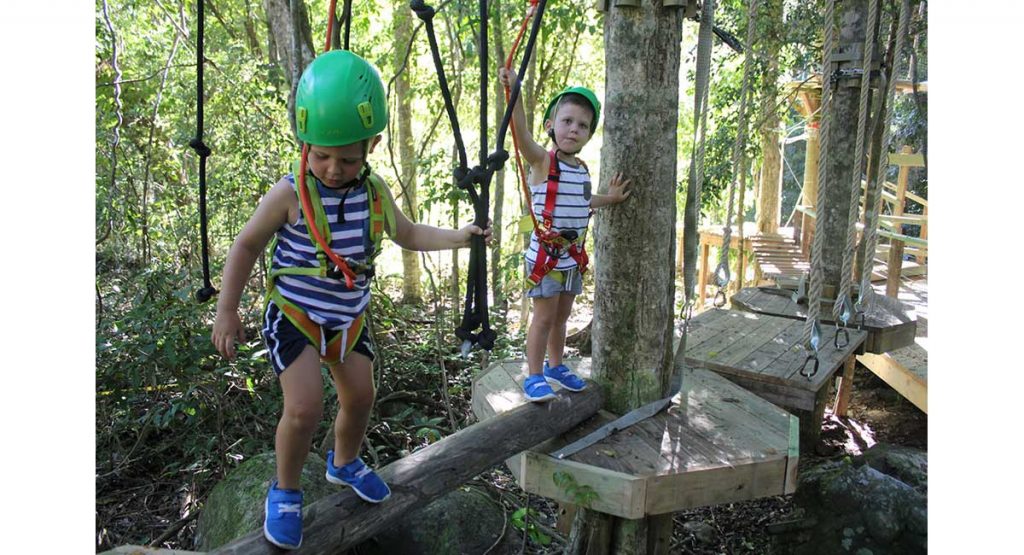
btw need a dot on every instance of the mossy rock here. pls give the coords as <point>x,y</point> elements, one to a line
<point>463,521</point>
<point>235,506</point>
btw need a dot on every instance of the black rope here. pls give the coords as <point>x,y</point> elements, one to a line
<point>347,14</point>
<point>475,314</point>
<point>207,291</point>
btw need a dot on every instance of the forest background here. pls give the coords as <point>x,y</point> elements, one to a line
<point>157,384</point>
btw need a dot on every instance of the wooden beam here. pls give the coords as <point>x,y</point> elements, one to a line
<point>341,521</point>
<point>899,377</point>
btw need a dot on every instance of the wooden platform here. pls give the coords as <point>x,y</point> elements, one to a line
<point>764,354</point>
<point>906,369</point>
<point>888,328</point>
<point>717,443</point>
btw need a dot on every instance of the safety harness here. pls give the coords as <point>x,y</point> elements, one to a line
<point>382,216</point>
<point>554,243</point>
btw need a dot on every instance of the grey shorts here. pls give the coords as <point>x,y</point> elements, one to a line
<point>549,286</point>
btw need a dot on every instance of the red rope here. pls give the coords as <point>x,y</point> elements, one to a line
<point>515,142</point>
<point>307,204</point>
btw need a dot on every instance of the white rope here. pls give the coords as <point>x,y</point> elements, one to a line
<point>846,275</point>
<point>738,159</point>
<point>811,326</point>
<point>875,184</point>
<point>700,116</point>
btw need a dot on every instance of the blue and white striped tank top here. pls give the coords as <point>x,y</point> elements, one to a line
<point>572,208</point>
<point>327,301</point>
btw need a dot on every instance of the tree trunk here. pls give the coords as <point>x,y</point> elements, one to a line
<point>288,22</point>
<point>634,241</point>
<point>342,521</point>
<point>412,292</point>
<point>770,190</point>
<point>832,221</point>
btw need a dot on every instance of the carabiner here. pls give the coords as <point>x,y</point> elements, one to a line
<point>720,296</point>
<point>809,375</point>
<point>846,336</point>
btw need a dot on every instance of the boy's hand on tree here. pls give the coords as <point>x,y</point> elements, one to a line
<point>617,188</point>
<point>226,329</point>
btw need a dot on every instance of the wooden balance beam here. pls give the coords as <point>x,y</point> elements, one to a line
<point>341,521</point>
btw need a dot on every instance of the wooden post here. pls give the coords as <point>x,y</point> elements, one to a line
<point>845,387</point>
<point>341,521</point>
<point>895,262</point>
<point>702,278</point>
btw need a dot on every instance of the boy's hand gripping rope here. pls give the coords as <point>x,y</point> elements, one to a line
<point>475,313</point>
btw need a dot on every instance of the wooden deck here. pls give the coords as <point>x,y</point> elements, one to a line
<point>716,443</point>
<point>889,326</point>
<point>906,369</point>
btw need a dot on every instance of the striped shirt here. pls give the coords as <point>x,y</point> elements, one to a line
<point>572,208</point>
<point>327,301</point>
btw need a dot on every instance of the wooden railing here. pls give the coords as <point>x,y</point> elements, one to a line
<point>895,196</point>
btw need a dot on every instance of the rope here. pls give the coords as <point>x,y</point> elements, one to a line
<point>475,313</point>
<point>525,186</point>
<point>874,189</point>
<point>700,119</point>
<point>812,327</point>
<point>197,144</point>
<point>842,304</point>
<point>722,272</point>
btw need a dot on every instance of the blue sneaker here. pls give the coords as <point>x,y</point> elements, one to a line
<point>562,376</point>
<point>361,478</point>
<point>537,389</point>
<point>282,523</point>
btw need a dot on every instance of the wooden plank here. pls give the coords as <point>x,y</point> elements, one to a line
<point>917,242</point>
<point>793,460</point>
<point>702,279</point>
<point>900,378</point>
<point>894,270</point>
<point>907,160</point>
<point>754,340</point>
<point>494,392</point>
<point>711,486</point>
<point>709,350</point>
<point>618,494</point>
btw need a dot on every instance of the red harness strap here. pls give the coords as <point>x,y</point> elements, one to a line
<point>552,243</point>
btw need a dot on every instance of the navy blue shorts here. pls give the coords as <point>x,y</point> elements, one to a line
<point>285,341</point>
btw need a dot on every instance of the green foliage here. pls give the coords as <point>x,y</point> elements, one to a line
<point>522,520</point>
<point>581,494</point>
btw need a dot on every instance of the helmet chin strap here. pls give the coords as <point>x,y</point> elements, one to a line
<point>551,133</point>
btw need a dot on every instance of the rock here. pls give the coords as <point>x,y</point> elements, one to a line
<point>235,505</point>
<point>464,521</point>
<point>904,463</point>
<point>704,533</point>
<point>862,505</point>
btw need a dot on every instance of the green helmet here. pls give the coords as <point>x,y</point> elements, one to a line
<point>585,93</point>
<point>339,100</point>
